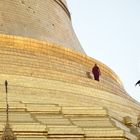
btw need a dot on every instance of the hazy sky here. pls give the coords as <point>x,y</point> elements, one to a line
<point>109,31</point>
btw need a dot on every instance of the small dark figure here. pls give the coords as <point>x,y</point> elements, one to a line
<point>138,83</point>
<point>6,86</point>
<point>96,72</point>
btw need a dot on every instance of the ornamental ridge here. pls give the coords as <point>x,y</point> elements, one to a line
<point>64,7</point>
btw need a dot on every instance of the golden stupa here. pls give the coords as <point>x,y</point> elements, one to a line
<point>50,93</point>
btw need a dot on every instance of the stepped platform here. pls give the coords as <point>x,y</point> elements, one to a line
<point>48,121</point>
<point>51,95</point>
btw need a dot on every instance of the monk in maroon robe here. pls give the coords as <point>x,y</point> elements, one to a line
<point>96,72</point>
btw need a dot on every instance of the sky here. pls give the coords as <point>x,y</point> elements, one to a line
<point>109,31</point>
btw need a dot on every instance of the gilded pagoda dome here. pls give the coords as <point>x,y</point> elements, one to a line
<point>51,92</point>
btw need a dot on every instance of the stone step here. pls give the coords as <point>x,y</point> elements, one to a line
<point>64,130</point>
<point>21,128</point>
<point>32,138</point>
<point>89,124</point>
<point>43,108</point>
<point>97,111</point>
<point>54,121</point>
<point>16,116</point>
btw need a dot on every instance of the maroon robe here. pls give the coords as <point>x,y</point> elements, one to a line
<point>96,72</point>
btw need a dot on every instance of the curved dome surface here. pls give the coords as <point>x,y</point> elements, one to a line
<point>47,20</point>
